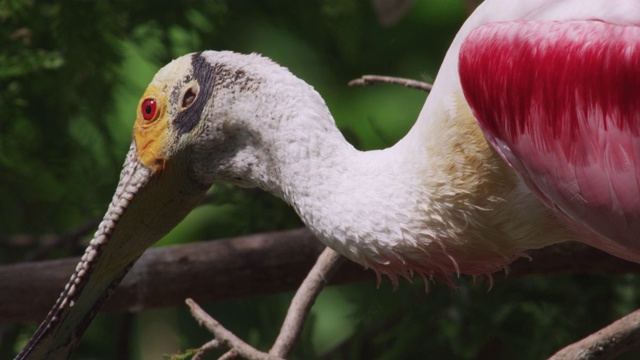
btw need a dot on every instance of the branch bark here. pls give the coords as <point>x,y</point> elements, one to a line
<point>606,343</point>
<point>244,266</point>
<point>367,80</point>
<point>225,338</point>
<point>327,264</point>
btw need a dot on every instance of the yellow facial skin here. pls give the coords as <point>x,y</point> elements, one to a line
<point>151,134</point>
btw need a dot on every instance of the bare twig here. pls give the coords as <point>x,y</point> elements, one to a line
<point>606,343</point>
<point>230,355</point>
<point>367,80</point>
<point>327,264</point>
<point>225,337</point>
<point>204,349</point>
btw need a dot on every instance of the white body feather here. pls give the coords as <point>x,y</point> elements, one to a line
<point>440,202</point>
<point>437,207</point>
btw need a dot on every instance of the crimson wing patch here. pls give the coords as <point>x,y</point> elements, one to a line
<point>560,101</point>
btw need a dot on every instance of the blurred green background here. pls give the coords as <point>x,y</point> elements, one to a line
<point>71,74</point>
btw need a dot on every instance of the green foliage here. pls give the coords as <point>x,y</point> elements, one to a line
<point>188,354</point>
<point>71,74</point>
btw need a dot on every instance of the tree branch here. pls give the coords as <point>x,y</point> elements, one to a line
<point>263,264</point>
<point>224,337</point>
<point>327,264</point>
<point>367,80</point>
<point>245,266</point>
<point>606,343</point>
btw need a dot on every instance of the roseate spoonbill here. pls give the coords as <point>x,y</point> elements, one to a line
<point>554,86</point>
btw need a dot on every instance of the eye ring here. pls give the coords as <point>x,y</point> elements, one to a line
<point>149,109</point>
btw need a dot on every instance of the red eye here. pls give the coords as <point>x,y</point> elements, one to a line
<point>148,109</point>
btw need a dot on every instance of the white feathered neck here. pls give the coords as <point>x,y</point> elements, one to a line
<point>430,206</point>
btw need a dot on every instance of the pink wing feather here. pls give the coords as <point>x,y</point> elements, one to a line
<point>560,101</point>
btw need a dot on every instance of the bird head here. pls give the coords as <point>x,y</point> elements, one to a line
<point>219,115</point>
<point>169,124</point>
<point>183,141</point>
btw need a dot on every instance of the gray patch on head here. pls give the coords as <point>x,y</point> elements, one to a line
<point>203,72</point>
<point>211,77</point>
<point>229,78</point>
<point>174,98</point>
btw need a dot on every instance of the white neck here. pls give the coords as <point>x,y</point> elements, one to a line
<point>435,205</point>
